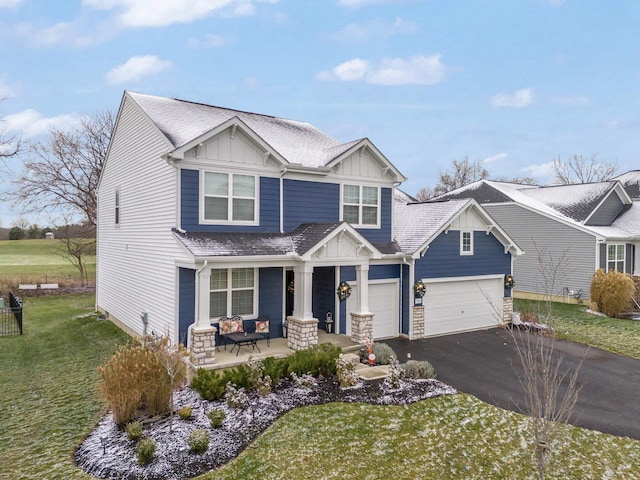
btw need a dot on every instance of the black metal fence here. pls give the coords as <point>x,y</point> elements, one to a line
<point>11,316</point>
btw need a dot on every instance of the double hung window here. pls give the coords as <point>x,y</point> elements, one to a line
<point>361,205</point>
<point>466,242</point>
<point>232,292</point>
<point>615,257</point>
<point>229,197</point>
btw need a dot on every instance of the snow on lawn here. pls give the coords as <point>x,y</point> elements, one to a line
<point>173,459</point>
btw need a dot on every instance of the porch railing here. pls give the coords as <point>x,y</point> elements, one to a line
<point>11,316</point>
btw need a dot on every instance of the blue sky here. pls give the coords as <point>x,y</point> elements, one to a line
<point>512,83</point>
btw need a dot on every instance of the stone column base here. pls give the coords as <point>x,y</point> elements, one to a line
<point>302,333</point>
<point>507,309</point>
<point>203,347</point>
<point>361,327</point>
<point>418,322</point>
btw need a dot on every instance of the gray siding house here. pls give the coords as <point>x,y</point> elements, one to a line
<point>566,231</point>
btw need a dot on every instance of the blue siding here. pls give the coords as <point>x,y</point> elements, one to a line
<point>324,294</point>
<point>381,272</point>
<point>310,202</point>
<point>443,258</point>
<point>382,234</point>
<point>186,302</point>
<point>190,203</point>
<point>270,298</point>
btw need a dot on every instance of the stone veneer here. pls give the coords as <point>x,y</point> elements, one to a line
<point>302,333</point>
<point>507,309</point>
<point>203,347</point>
<point>418,322</point>
<point>361,327</point>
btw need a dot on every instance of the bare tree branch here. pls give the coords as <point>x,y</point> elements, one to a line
<point>579,169</point>
<point>63,173</point>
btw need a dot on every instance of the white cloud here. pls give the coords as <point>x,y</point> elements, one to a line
<point>542,172</point>
<point>415,70</point>
<point>159,13</point>
<point>518,99</point>
<point>365,3</point>
<point>376,29</point>
<point>576,101</point>
<point>31,123</point>
<point>74,33</point>
<point>210,40</point>
<point>10,3</point>
<point>494,158</point>
<point>137,67</point>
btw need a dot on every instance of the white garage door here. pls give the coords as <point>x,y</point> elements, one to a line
<point>384,303</point>
<point>460,305</point>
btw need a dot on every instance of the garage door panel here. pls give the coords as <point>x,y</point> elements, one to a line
<point>384,303</point>
<point>462,305</point>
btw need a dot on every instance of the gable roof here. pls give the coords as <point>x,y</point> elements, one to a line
<point>418,224</point>
<point>184,122</point>
<point>631,182</point>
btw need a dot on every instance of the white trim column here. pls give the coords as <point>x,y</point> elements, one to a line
<point>362,279</point>
<point>302,300</point>
<point>202,342</point>
<point>202,297</point>
<point>362,318</point>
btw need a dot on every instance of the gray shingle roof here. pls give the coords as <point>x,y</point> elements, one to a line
<point>299,241</point>
<point>183,121</point>
<point>417,223</point>
<point>631,182</point>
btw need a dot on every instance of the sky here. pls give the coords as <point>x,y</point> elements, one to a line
<point>513,84</point>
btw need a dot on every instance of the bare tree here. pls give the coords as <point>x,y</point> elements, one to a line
<point>10,145</point>
<point>460,174</point>
<point>579,169</point>
<point>424,194</point>
<point>78,243</point>
<point>21,223</point>
<point>171,355</point>
<point>62,174</point>
<point>552,269</point>
<point>519,180</point>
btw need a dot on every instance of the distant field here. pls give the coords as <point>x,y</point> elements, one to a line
<point>38,261</point>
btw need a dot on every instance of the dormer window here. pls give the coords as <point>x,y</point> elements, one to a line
<point>361,205</point>
<point>466,242</point>
<point>228,198</point>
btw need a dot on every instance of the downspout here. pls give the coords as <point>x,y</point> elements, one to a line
<point>409,307</point>
<point>197,309</point>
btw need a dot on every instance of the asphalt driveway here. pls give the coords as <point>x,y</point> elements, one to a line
<point>483,364</point>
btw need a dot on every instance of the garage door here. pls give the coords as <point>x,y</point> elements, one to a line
<point>384,303</point>
<point>460,305</point>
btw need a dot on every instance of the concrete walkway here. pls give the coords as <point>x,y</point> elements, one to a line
<point>484,364</point>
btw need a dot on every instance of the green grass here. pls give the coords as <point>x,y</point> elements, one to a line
<point>48,380</point>
<point>455,436</point>
<point>573,323</point>
<point>37,261</point>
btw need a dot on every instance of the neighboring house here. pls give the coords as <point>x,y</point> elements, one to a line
<point>206,212</point>
<point>567,231</point>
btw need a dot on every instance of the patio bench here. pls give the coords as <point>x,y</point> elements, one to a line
<point>237,330</point>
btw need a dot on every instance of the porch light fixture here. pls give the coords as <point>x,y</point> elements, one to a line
<point>419,289</point>
<point>509,282</point>
<point>344,291</point>
<point>291,288</point>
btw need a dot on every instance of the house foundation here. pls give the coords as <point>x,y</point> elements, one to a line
<point>203,347</point>
<point>302,333</point>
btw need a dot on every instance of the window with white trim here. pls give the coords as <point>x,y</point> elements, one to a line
<point>232,291</point>
<point>466,242</point>
<point>361,205</point>
<point>117,207</point>
<point>615,257</point>
<point>229,197</point>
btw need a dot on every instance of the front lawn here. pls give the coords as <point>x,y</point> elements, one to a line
<point>49,403</point>
<point>573,323</point>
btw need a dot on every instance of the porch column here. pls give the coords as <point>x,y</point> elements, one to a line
<point>202,341</point>
<point>303,328</point>
<point>362,318</point>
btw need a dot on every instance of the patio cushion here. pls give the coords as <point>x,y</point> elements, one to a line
<point>262,326</point>
<point>228,326</point>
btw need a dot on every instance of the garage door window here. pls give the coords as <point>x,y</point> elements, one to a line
<point>466,243</point>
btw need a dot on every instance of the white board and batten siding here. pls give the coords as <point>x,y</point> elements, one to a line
<point>535,233</point>
<point>462,304</point>
<point>384,303</point>
<point>136,270</point>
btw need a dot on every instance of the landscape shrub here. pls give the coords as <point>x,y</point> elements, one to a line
<point>185,413</point>
<point>216,417</point>
<point>145,450</point>
<point>210,384</point>
<point>384,353</point>
<point>396,373</point>
<point>317,360</point>
<point>418,369</point>
<point>198,441</point>
<point>135,381</point>
<point>236,397</point>
<point>346,372</point>
<point>134,430</point>
<point>305,380</point>
<point>274,368</point>
<point>264,386</point>
<point>612,292</point>
<point>255,369</point>
<point>529,317</point>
